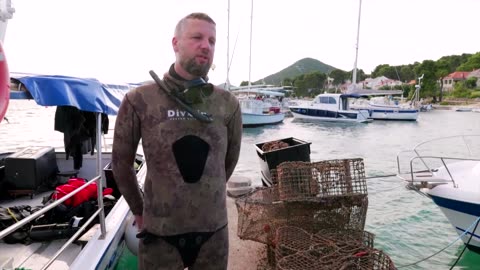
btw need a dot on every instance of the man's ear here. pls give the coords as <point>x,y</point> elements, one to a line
<point>175,44</point>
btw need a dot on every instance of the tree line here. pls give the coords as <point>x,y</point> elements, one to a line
<point>434,72</point>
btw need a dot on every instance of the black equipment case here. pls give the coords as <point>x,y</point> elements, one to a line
<point>30,167</point>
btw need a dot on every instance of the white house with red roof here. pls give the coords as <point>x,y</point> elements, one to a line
<point>450,80</point>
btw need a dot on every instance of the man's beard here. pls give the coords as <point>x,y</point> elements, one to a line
<point>195,69</point>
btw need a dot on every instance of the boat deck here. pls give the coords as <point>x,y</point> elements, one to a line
<point>423,177</point>
<point>36,254</point>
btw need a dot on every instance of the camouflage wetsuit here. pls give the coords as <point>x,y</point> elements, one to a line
<point>188,165</point>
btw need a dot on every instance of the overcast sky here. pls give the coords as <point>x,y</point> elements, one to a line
<point>120,41</point>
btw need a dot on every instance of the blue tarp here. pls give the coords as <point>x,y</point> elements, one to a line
<point>85,94</point>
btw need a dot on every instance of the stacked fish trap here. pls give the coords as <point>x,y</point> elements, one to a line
<point>313,217</point>
<point>295,249</point>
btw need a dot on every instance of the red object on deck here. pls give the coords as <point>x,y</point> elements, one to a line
<point>4,83</point>
<point>275,109</point>
<point>89,193</point>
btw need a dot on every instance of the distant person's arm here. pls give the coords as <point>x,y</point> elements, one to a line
<point>234,141</point>
<point>125,143</point>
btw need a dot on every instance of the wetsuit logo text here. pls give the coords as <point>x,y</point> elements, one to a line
<point>180,115</point>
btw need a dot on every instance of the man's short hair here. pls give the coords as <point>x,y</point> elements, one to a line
<point>197,16</point>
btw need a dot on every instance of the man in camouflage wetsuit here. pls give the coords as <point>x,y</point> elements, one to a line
<point>182,214</point>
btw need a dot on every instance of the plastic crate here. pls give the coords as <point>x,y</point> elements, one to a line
<point>297,150</point>
<point>30,168</point>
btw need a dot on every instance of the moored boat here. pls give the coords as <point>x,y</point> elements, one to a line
<point>449,174</point>
<point>69,240</point>
<point>384,108</point>
<point>330,108</point>
<point>260,106</point>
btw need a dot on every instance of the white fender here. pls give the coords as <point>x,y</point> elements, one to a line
<point>131,239</point>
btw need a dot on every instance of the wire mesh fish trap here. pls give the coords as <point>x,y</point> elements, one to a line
<point>370,259</point>
<point>299,180</point>
<point>295,180</point>
<point>261,213</point>
<point>290,240</point>
<point>318,257</point>
<point>345,237</point>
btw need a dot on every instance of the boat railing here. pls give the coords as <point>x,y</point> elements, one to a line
<point>100,213</point>
<point>420,176</point>
<point>422,168</point>
<point>416,150</point>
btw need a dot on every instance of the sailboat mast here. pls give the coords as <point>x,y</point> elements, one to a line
<point>250,57</point>
<point>227,83</point>
<point>354,75</point>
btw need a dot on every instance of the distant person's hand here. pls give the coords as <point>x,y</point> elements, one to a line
<point>139,222</point>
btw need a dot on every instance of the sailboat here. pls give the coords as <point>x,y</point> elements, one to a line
<point>379,108</point>
<point>328,107</point>
<point>260,105</point>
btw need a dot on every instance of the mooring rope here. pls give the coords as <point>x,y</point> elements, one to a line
<point>381,176</point>
<point>449,245</point>
<point>465,247</point>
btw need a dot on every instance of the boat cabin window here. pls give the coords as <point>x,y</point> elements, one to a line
<point>327,100</point>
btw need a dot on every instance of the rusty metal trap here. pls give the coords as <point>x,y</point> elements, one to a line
<point>299,180</point>
<point>332,195</point>
<point>295,248</point>
<point>367,259</point>
<point>313,217</point>
<point>260,214</point>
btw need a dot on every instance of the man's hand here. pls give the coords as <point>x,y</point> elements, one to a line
<point>139,222</point>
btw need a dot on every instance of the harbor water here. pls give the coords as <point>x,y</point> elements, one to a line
<point>408,227</point>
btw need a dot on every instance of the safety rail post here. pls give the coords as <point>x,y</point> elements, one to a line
<point>449,173</point>
<point>101,215</point>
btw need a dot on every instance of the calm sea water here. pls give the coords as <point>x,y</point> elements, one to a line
<point>408,227</point>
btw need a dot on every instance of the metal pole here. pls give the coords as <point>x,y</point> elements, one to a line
<point>250,58</point>
<point>101,216</point>
<point>354,76</point>
<point>227,83</point>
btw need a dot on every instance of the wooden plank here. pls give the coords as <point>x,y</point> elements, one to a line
<point>19,252</point>
<point>88,235</point>
<point>42,255</point>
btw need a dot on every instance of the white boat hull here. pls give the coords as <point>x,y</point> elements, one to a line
<point>322,119</point>
<point>460,203</point>
<point>462,216</point>
<point>251,119</point>
<point>311,118</point>
<point>408,115</point>
<point>454,187</point>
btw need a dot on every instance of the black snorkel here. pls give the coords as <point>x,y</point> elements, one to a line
<point>204,118</point>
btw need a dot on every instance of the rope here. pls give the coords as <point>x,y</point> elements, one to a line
<point>12,214</point>
<point>381,176</point>
<point>465,246</point>
<point>449,245</point>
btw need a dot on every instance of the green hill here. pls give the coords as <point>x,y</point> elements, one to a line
<point>304,66</point>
